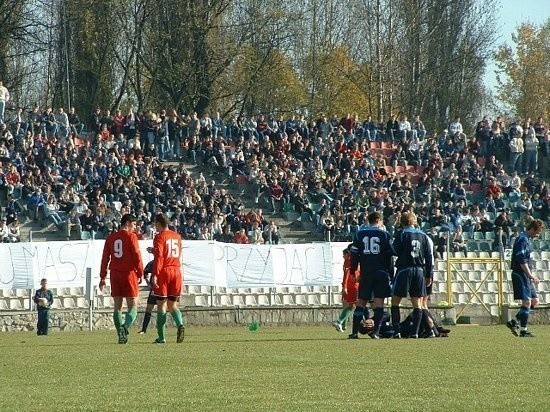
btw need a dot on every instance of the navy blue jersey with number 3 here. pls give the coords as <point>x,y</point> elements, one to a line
<point>414,249</point>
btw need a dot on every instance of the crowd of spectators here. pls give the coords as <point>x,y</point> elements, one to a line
<point>82,176</point>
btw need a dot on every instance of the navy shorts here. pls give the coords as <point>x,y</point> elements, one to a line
<point>374,285</point>
<point>409,281</point>
<point>524,288</point>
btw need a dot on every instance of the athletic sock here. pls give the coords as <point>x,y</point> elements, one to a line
<point>426,320</point>
<point>417,318</point>
<point>523,316</point>
<point>357,318</point>
<point>130,317</point>
<point>344,316</point>
<point>146,320</point>
<point>378,315</point>
<point>161,321</point>
<point>117,318</point>
<point>396,318</point>
<point>178,317</point>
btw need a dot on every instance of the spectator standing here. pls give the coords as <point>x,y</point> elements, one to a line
<point>531,145</point>
<point>4,98</point>
<point>516,152</point>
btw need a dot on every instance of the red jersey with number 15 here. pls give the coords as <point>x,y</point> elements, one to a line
<point>167,245</point>
<point>121,254</point>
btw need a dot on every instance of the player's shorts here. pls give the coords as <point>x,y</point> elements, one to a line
<point>124,284</point>
<point>524,288</point>
<point>409,281</point>
<point>351,295</point>
<point>169,283</point>
<point>374,285</point>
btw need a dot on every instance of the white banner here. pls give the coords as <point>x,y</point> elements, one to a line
<point>204,263</point>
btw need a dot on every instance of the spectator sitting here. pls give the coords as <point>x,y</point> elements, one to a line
<point>88,224</point>
<point>271,234</point>
<point>35,204</point>
<point>51,212</point>
<point>276,195</point>
<point>457,240</point>
<point>240,236</point>
<point>255,234</point>
<point>340,232</point>
<point>524,205</point>
<point>438,221</point>
<point>72,221</point>
<point>14,231</point>
<point>4,231</point>
<point>12,209</point>
<point>225,236</point>
<point>503,228</point>
<point>525,220</point>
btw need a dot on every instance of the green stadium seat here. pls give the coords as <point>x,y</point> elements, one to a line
<point>479,236</point>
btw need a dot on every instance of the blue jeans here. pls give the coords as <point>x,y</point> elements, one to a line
<point>515,162</point>
<point>2,109</point>
<point>530,161</point>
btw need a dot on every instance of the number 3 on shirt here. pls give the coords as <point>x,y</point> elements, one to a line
<point>415,252</point>
<point>173,248</point>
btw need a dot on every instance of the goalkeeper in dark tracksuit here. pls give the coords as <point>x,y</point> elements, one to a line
<point>43,310</point>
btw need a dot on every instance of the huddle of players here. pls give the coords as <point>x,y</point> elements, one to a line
<point>372,251</point>
<point>122,259</point>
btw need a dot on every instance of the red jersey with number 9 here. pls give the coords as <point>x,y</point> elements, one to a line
<point>121,254</point>
<point>167,251</point>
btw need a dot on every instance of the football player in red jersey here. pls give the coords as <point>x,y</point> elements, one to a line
<point>349,291</point>
<point>122,258</point>
<point>167,276</point>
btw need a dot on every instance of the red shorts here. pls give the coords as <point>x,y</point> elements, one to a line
<point>169,283</point>
<point>351,296</point>
<point>124,284</point>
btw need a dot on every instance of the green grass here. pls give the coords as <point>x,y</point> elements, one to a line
<point>275,369</point>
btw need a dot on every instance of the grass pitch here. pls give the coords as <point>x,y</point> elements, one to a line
<point>275,369</point>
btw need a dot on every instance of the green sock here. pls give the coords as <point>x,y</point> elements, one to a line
<point>130,317</point>
<point>161,321</point>
<point>178,317</point>
<point>117,318</point>
<point>344,315</point>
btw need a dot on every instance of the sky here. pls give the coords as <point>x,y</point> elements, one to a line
<point>511,14</point>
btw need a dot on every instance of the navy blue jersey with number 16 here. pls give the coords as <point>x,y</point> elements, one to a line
<point>373,250</point>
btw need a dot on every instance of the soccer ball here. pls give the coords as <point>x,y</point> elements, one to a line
<point>43,302</point>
